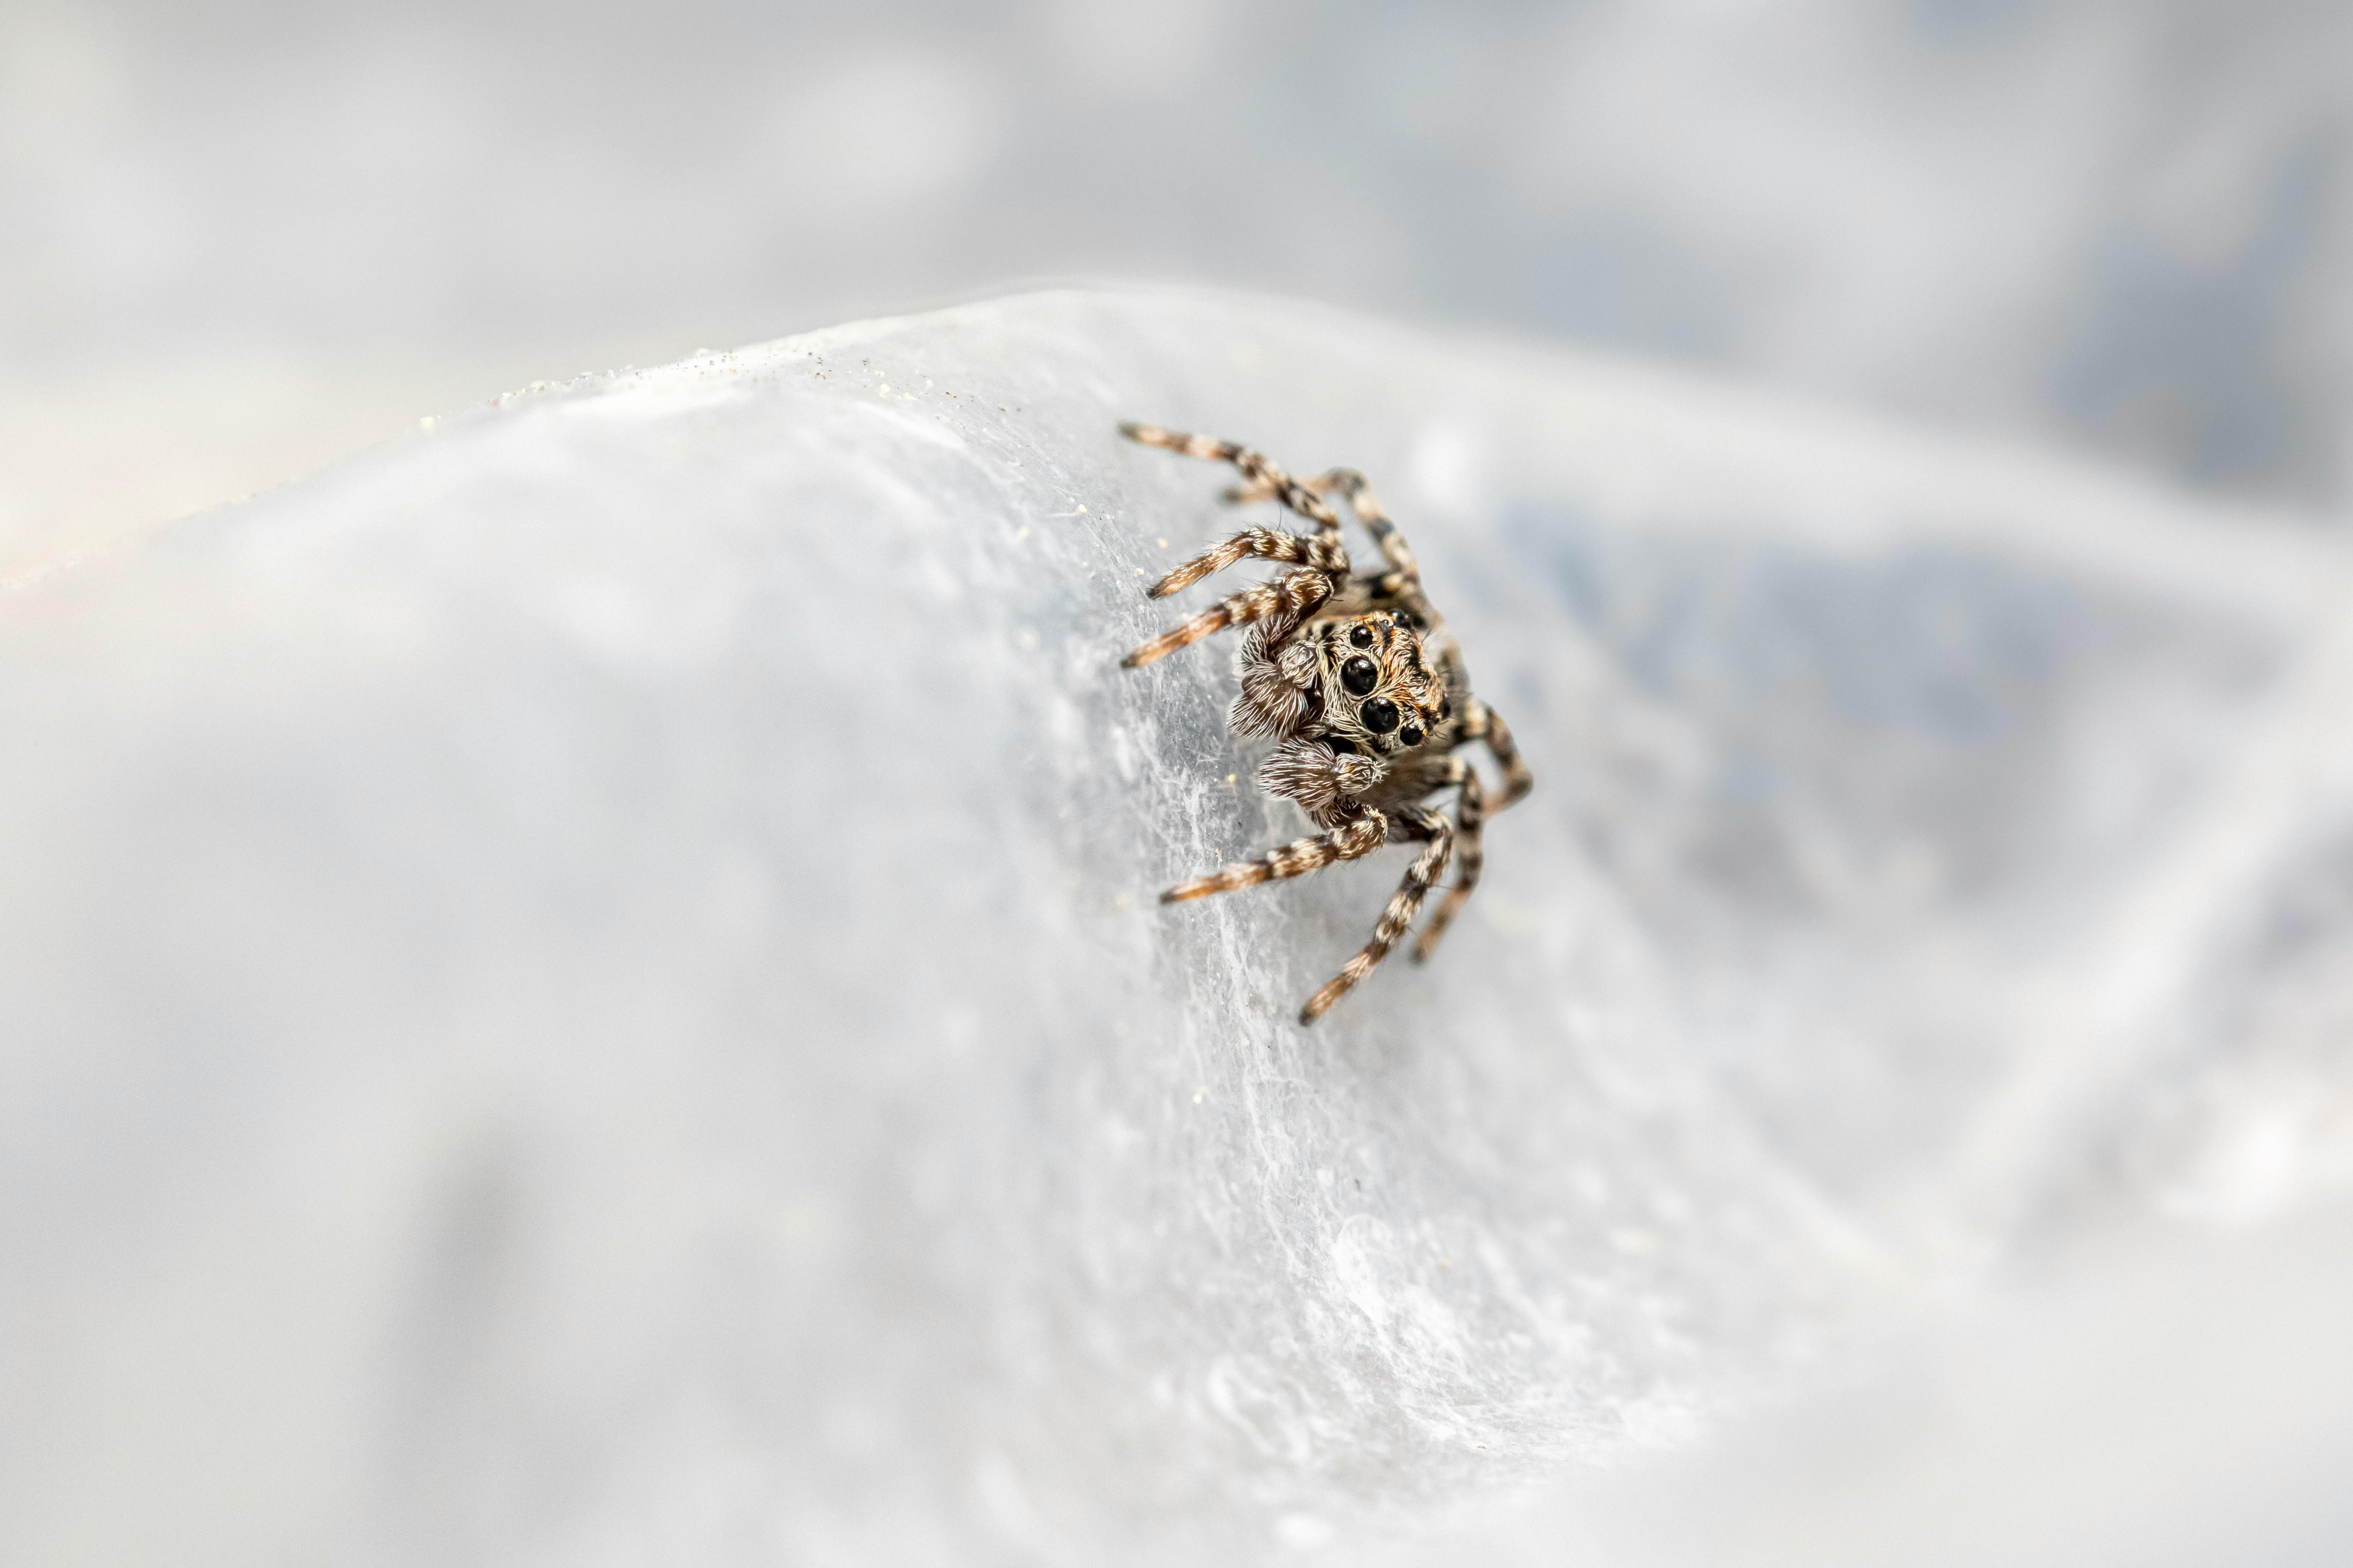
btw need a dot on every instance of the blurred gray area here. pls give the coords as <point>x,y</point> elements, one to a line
<point>2169,1401</point>
<point>238,237</point>
<point>585,988</point>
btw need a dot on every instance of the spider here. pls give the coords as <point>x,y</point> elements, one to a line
<point>1360,687</point>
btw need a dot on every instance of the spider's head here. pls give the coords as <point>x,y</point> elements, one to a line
<point>1381,697</point>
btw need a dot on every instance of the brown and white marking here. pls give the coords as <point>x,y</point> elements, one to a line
<point>1354,678</point>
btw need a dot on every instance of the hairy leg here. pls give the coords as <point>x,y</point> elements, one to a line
<point>1352,842</point>
<point>1428,866</point>
<point>1257,474</point>
<point>1264,544</point>
<point>1294,595</point>
<point>1401,568</point>
<point>1482,722</point>
<point>1469,856</point>
<point>1393,547</point>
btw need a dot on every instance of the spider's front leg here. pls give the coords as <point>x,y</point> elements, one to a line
<point>1426,868</point>
<point>1294,595</point>
<point>1260,543</point>
<point>1351,841</point>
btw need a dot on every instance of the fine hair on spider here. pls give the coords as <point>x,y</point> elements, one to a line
<point>1357,680</point>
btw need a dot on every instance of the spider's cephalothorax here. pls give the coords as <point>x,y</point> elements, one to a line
<point>1354,678</point>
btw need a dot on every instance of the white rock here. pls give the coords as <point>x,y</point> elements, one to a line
<point>585,988</point>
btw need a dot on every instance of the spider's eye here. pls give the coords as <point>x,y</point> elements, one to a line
<point>1446,708</point>
<point>1341,743</point>
<point>1410,734</point>
<point>1359,675</point>
<point>1361,636</point>
<point>1380,715</point>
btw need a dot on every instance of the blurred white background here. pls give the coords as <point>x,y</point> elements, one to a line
<point>240,238</point>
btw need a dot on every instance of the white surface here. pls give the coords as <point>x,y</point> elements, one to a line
<point>585,987</point>
<point>2166,1404</point>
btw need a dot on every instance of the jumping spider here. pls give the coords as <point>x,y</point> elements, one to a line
<point>1360,687</point>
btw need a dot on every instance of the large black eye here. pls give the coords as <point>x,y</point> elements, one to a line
<point>1446,708</point>
<point>1380,715</point>
<point>1359,676</point>
<point>1361,636</point>
<point>1410,734</point>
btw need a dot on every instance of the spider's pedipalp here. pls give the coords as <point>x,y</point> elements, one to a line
<point>1294,594</point>
<point>1420,878</point>
<point>1261,543</point>
<point>1352,842</point>
<point>1275,698</point>
<point>1322,781</point>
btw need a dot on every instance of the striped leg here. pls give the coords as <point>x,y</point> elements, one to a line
<point>1484,724</point>
<point>1258,475</point>
<point>1428,866</point>
<point>1295,596</point>
<point>1470,856</point>
<point>1395,552</point>
<point>1394,549</point>
<point>1265,544</point>
<point>1357,840</point>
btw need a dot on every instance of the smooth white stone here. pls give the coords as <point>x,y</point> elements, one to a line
<point>585,987</point>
